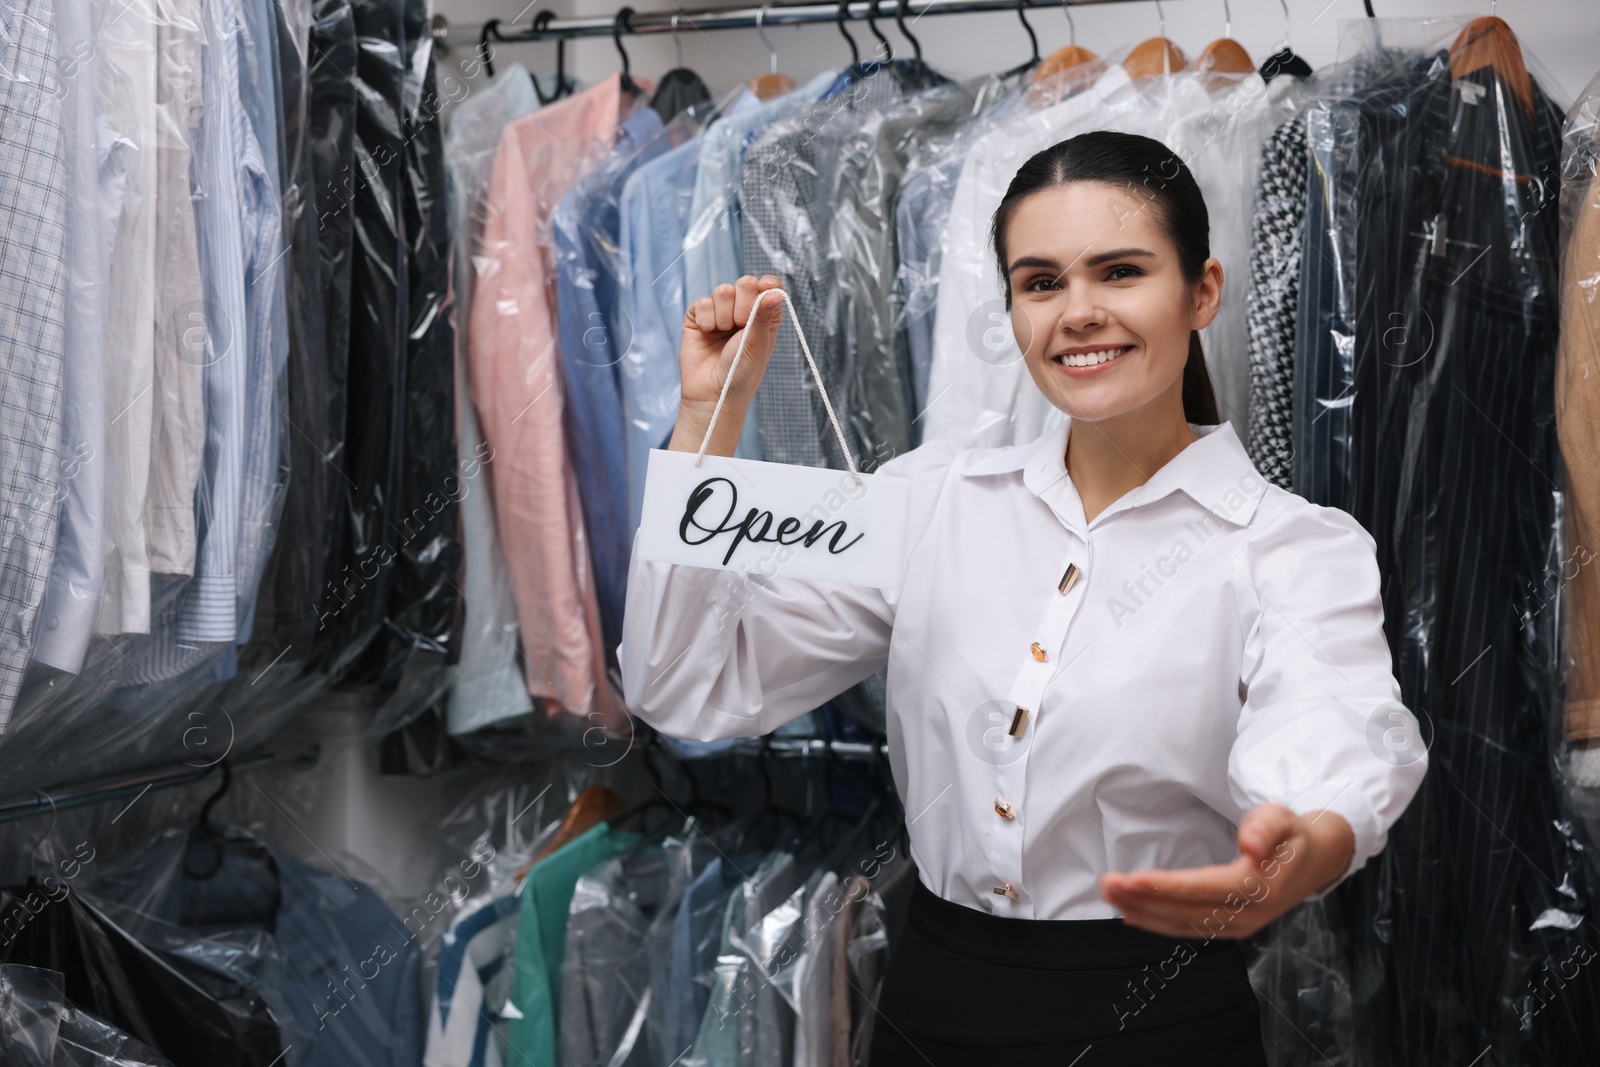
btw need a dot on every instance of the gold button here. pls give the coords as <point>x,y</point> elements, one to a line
<point>1018,722</point>
<point>1039,652</point>
<point>1006,890</point>
<point>1005,810</point>
<point>1069,579</point>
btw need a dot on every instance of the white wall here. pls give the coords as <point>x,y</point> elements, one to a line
<point>1560,38</point>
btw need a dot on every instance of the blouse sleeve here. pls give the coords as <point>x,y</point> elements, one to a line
<point>1322,725</point>
<point>708,654</point>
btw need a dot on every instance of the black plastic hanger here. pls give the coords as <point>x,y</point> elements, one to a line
<point>658,800</point>
<point>900,20</point>
<point>491,29</point>
<point>1033,43</point>
<point>843,13</point>
<point>540,22</point>
<point>618,26</point>
<point>1284,60</point>
<point>204,835</point>
<point>698,801</point>
<point>883,42</point>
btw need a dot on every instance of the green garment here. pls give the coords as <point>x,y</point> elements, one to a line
<point>542,937</point>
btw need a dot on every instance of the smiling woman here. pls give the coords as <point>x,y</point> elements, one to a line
<point>1103,801</point>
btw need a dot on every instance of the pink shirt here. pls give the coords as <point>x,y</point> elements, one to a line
<point>515,372</point>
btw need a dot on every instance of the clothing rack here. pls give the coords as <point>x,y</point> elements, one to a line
<point>115,788</point>
<point>806,748</point>
<point>627,21</point>
<point>787,748</point>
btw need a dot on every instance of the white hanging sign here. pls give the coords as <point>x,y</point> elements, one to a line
<point>775,519</point>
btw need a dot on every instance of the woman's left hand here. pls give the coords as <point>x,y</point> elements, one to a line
<point>1283,858</point>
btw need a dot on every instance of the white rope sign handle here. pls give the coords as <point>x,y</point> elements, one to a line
<point>812,363</point>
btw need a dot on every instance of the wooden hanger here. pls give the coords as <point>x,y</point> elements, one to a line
<point>593,805</point>
<point>1064,59</point>
<point>1489,42</point>
<point>772,84</point>
<point>1222,62</point>
<point>1155,56</point>
<point>1224,55</point>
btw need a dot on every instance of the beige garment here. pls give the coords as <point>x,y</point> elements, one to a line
<point>855,888</point>
<point>178,412</point>
<point>1578,426</point>
<point>125,82</point>
<point>871,943</point>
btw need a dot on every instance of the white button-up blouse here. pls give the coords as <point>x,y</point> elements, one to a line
<point>1219,645</point>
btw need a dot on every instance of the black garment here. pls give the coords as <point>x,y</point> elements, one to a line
<point>678,89</point>
<point>156,986</point>
<point>331,122</point>
<point>393,593</point>
<point>421,614</point>
<point>292,582</point>
<point>39,1028</point>
<point>1444,347</point>
<point>967,987</point>
<point>352,607</point>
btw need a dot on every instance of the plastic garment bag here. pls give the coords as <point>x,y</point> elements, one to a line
<point>516,385</point>
<point>1277,248</point>
<point>43,180</point>
<point>606,987</point>
<point>862,244</point>
<point>339,969</point>
<point>735,1027</point>
<point>1578,423</point>
<point>96,179</point>
<point>39,1028</point>
<point>186,996</point>
<point>290,588</point>
<point>362,572</point>
<point>790,184</point>
<point>592,274</point>
<point>421,615</point>
<point>390,591</point>
<point>1434,383</point>
<point>488,685</point>
<point>330,132</point>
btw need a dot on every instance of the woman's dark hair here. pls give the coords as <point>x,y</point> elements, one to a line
<point>1148,168</point>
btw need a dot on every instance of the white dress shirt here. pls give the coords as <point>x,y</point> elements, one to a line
<point>1221,647</point>
<point>178,417</point>
<point>97,159</point>
<point>126,68</point>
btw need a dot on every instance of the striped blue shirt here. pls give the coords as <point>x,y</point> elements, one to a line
<point>234,186</point>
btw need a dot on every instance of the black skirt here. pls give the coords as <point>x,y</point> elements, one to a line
<point>962,985</point>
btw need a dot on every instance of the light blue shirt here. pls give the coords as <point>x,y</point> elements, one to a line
<point>232,173</point>
<point>489,685</point>
<point>593,339</point>
<point>97,173</point>
<point>655,208</point>
<point>713,246</point>
<point>266,308</point>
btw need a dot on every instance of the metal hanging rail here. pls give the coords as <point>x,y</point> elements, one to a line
<point>738,18</point>
<point>129,785</point>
